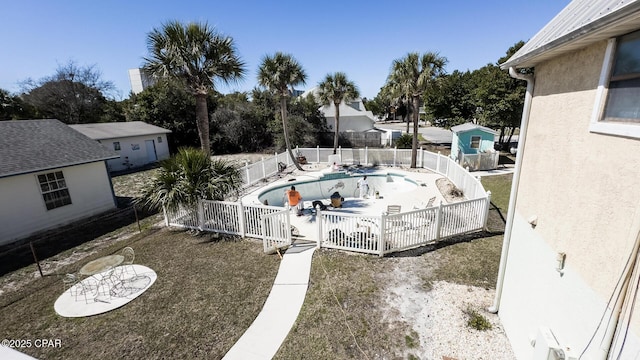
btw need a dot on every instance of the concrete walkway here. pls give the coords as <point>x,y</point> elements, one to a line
<point>267,332</point>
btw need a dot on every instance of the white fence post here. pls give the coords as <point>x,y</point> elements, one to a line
<point>264,170</point>
<point>395,155</point>
<point>340,152</point>
<point>318,153</point>
<point>246,169</point>
<point>166,218</point>
<point>381,238</point>
<point>486,211</point>
<point>438,163</point>
<point>366,155</point>
<point>421,153</point>
<point>276,159</point>
<point>439,221</point>
<point>201,214</point>
<point>241,219</point>
<point>319,221</point>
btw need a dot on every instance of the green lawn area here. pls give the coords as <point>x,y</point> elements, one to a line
<point>207,293</point>
<point>210,290</point>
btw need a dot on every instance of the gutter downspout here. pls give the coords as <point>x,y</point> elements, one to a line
<point>524,123</point>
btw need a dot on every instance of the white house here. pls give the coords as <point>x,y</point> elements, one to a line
<point>353,116</point>
<point>50,175</point>
<point>137,142</point>
<point>569,275</point>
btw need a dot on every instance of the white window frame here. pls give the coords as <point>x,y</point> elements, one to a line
<point>116,146</point>
<point>596,126</point>
<point>479,141</point>
<point>60,187</point>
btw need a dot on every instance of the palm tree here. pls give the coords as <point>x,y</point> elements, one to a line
<point>337,88</point>
<point>277,73</point>
<point>189,176</point>
<point>197,56</point>
<point>411,76</point>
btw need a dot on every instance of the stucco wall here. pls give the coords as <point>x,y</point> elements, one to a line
<point>582,187</point>
<point>23,211</point>
<point>134,148</point>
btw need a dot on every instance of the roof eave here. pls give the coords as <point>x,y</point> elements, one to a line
<point>31,171</point>
<point>587,34</point>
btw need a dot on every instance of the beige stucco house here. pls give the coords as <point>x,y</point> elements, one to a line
<point>50,175</point>
<point>569,272</point>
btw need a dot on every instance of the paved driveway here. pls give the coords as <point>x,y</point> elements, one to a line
<point>431,133</point>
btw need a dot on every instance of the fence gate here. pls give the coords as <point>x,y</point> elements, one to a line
<point>276,229</point>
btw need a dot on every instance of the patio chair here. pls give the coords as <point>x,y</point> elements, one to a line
<point>79,289</point>
<point>393,209</point>
<point>127,264</point>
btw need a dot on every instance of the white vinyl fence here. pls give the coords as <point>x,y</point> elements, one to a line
<point>391,233</point>
<point>367,234</point>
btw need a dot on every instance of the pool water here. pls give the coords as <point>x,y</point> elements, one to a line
<point>321,188</point>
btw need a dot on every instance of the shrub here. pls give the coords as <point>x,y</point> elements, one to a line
<point>404,142</point>
<point>476,320</point>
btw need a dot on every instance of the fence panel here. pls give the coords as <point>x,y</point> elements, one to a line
<point>222,217</point>
<point>403,157</point>
<point>350,232</point>
<point>277,230</point>
<point>429,160</point>
<point>463,217</point>
<point>380,156</point>
<point>181,217</point>
<point>410,229</point>
<point>253,215</point>
<point>482,161</point>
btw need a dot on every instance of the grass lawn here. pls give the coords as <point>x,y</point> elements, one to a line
<point>344,313</point>
<point>206,295</point>
<point>209,291</point>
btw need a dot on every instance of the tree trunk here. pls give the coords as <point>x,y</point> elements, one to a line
<point>283,114</point>
<point>414,145</point>
<point>511,131</point>
<point>202,121</point>
<point>501,138</point>
<point>337,128</point>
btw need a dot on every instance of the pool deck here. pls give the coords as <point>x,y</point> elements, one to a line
<point>416,198</point>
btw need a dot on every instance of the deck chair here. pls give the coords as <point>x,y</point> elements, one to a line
<point>127,264</point>
<point>393,209</point>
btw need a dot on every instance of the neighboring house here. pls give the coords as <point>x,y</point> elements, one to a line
<point>569,271</point>
<point>472,147</point>
<point>356,122</point>
<point>50,175</point>
<point>137,142</point>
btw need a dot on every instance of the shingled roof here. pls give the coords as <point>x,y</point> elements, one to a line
<point>101,131</point>
<point>28,146</point>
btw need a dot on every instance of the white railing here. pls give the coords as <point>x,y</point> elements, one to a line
<point>482,161</point>
<point>391,233</point>
<point>349,232</point>
<point>367,234</point>
<point>276,230</point>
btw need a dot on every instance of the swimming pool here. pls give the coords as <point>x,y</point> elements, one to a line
<point>322,186</point>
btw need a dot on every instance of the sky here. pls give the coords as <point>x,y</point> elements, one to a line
<point>360,38</point>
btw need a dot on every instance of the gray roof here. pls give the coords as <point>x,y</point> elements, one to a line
<point>34,145</point>
<point>471,126</point>
<point>581,23</point>
<point>114,130</point>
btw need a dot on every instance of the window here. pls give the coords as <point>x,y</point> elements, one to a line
<point>159,139</point>
<point>475,142</point>
<point>624,85</point>
<point>54,190</point>
<point>116,145</point>
<point>617,110</point>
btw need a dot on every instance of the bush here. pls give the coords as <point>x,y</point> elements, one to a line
<point>405,141</point>
<point>477,321</point>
